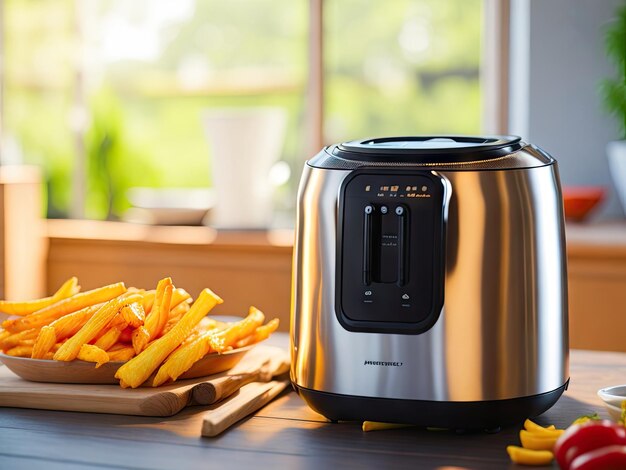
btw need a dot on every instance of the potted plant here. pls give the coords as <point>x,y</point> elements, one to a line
<point>614,94</point>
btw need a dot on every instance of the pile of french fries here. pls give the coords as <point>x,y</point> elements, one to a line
<point>158,334</point>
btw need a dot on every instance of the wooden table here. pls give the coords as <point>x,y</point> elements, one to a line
<point>285,434</point>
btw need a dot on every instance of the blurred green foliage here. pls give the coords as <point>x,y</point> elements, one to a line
<point>402,67</point>
<point>398,67</point>
<point>614,89</point>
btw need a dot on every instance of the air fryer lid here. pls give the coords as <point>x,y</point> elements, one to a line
<point>419,149</point>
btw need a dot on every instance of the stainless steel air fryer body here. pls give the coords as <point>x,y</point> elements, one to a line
<point>429,282</point>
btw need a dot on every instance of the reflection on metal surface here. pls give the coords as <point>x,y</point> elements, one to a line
<point>503,330</point>
<point>464,330</point>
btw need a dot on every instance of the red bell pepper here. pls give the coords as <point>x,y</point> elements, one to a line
<point>582,438</point>
<point>604,458</point>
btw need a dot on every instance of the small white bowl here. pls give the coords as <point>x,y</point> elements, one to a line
<point>613,395</point>
<point>613,398</point>
<point>615,413</point>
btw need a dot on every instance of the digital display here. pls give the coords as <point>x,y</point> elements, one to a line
<point>395,190</point>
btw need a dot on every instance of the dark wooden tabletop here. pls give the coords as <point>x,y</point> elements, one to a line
<point>285,434</point>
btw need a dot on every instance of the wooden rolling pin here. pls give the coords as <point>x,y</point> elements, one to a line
<point>207,393</point>
<point>252,397</point>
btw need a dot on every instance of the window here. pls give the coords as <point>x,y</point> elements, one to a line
<point>401,68</point>
<point>108,95</point>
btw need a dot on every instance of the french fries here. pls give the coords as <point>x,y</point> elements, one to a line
<point>222,340</point>
<point>134,315</point>
<point>262,332</point>
<point>14,339</point>
<point>104,315</point>
<point>148,300</point>
<point>157,318</point>
<point>69,288</point>
<point>109,338</point>
<point>160,312</point>
<point>69,324</point>
<point>175,315</point>
<point>138,369</point>
<point>150,331</point>
<point>21,351</point>
<point>46,340</point>
<point>63,307</point>
<point>140,338</point>
<point>185,356</point>
<point>181,360</point>
<point>123,354</point>
<point>91,353</point>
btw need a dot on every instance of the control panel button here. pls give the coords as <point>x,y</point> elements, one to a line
<point>384,209</point>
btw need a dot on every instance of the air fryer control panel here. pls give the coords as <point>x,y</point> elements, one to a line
<point>390,251</point>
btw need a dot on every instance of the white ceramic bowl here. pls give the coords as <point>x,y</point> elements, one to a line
<point>613,398</point>
<point>615,413</point>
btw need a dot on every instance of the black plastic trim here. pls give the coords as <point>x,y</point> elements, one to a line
<point>442,414</point>
<point>314,163</point>
<point>439,271</point>
<point>494,146</point>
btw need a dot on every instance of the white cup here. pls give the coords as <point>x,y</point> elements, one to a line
<point>245,143</point>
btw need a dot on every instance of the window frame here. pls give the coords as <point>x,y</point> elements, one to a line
<point>494,72</point>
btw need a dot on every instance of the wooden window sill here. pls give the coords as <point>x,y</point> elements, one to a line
<point>72,229</point>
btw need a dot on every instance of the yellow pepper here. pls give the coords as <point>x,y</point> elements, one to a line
<point>376,426</point>
<point>536,428</point>
<point>537,441</point>
<point>523,456</point>
<point>585,418</point>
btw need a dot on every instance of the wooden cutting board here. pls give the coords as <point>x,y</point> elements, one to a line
<point>162,401</point>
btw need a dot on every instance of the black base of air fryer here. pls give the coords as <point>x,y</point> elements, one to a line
<point>441,414</point>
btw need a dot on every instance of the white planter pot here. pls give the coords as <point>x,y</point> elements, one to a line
<point>616,152</point>
<point>245,143</point>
